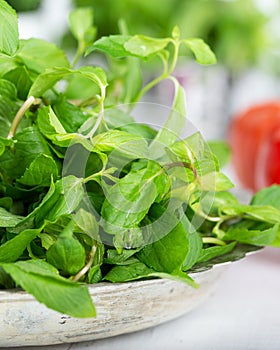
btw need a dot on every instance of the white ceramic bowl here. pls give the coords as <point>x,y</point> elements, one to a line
<point>121,308</point>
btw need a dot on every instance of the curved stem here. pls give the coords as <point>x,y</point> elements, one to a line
<point>98,121</point>
<point>213,240</point>
<point>20,113</point>
<point>165,73</point>
<point>85,269</point>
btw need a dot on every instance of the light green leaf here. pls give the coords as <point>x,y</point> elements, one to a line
<point>81,21</point>
<point>255,237</point>
<point>126,144</point>
<point>42,281</point>
<point>144,46</point>
<point>202,52</point>
<point>215,251</point>
<point>50,77</point>
<point>86,222</point>
<point>268,196</point>
<point>215,181</point>
<point>8,29</point>
<point>48,123</point>
<point>263,213</point>
<point>221,150</point>
<point>112,45</point>
<point>39,55</point>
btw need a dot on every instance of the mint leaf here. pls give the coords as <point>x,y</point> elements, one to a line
<point>67,254</point>
<point>43,282</point>
<point>81,23</point>
<point>144,46</point>
<point>254,237</point>
<point>8,219</point>
<point>40,172</point>
<point>39,55</point>
<point>8,29</point>
<point>11,250</point>
<point>50,77</point>
<point>112,45</point>
<point>268,196</point>
<point>201,50</point>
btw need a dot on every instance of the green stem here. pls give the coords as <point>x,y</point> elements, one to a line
<point>213,240</point>
<point>85,269</point>
<point>20,113</point>
<point>78,54</point>
<point>98,121</point>
<point>166,72</point>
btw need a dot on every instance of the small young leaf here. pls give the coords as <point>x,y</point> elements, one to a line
<point>221,150</point>
<point>202,52</point>
<point>112,45</point>
<point>81,21</point>
<point>144,46</point>
<point>8,29</point>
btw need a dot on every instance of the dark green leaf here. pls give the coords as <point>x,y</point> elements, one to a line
<point>128,201</point>
<point>70,116</point>
<point>8,219</point>
<point>67,253</point>
<point>40,172</point>
<point>29,144</point>
<point>170,248</point>
<point>8,89</point>
<point>20,77</point>
<point>11,250</point>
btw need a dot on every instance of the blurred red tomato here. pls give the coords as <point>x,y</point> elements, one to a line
<point>249,133</point>
<point>268,160</point>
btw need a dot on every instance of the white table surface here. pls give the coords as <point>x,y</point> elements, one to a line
<point>244,313</point>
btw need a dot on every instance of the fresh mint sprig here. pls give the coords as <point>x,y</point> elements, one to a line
<point>87,194</point>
